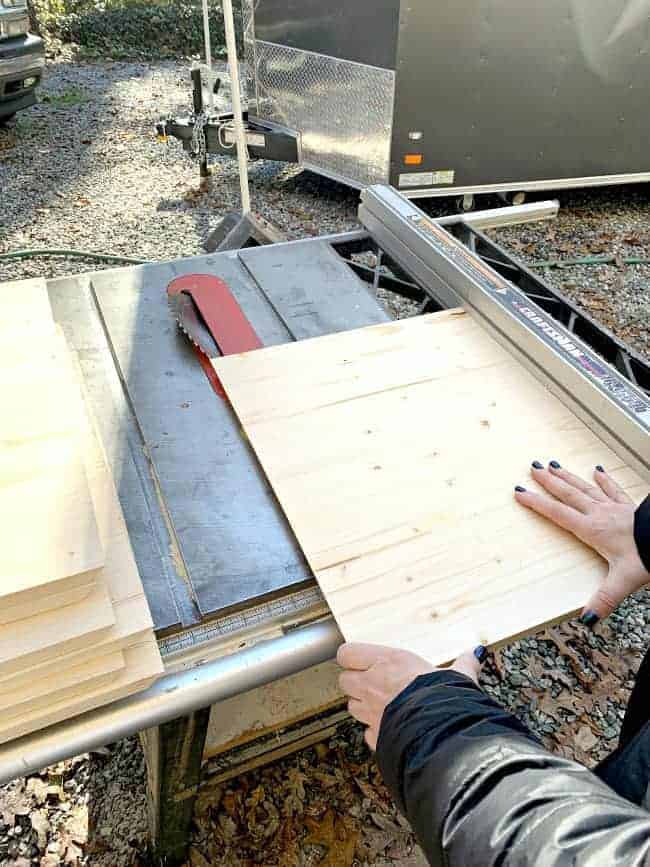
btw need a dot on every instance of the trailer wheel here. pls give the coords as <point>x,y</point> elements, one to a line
<point>517,197</point>
<point>465,203</point>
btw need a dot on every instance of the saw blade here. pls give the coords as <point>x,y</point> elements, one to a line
<point>191,322</point>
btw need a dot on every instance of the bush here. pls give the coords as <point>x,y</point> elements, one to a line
<point>133,28</point>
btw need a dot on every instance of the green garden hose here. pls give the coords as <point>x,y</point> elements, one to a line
<point>589,260</point>
<point>71,254</point>
<point>129,260</point>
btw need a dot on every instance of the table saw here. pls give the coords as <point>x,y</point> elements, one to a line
<point>245,633</point>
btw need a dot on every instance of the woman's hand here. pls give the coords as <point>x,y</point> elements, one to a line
<point>374,675</point>
<point>602,516</point>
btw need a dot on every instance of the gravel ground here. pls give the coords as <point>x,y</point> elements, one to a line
<point>613,222</point>
<point>82,170</point>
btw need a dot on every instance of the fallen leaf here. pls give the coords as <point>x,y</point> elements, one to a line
<point>326,780</point>
<point>336,836</point>
<point>197,859</point>
<point>386,823</point>
<point>41,825</point>
<point>498,664</point>
<point>585,739</point>
<point>376,842</point>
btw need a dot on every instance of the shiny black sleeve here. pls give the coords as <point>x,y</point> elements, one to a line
<point>481,791</point>
<point>642,532</point>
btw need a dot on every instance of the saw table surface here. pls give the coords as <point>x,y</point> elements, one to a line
<point>208,535</point>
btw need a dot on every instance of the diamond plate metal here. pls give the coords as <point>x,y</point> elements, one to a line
<point>248,28</point>
<point>343,110</point>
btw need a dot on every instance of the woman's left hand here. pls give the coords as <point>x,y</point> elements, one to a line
<point>374,675</point>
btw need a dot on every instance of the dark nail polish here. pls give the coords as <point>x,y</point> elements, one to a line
<point>480,653</point>
<point>555,465</point>
<point>519,489</point>
<point>600,469</point>
<point>537,465</point>
<point>589,618</point>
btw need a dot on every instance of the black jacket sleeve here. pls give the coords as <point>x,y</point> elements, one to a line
<point>481,791</point>
<point>642,532</point>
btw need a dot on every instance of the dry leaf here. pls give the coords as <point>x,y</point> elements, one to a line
<point>325,780</point>
<point>197,859</point>
<point>572,656</point>
<point>41,825</point>
<point>585,739</point>
<point>294,801</point>
<point>376,842</point>
<point>336,836</point>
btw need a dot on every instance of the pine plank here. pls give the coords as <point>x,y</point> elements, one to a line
<point>141,667</point>
<point>37,639</point>
<point>50,536</point>
<point>132,626</point>
<point>49,601</point>
<point>131,634</point>
<point>51,546</point>
<point>26,309</point>
<point>393,451</point>
<point>22,695</point>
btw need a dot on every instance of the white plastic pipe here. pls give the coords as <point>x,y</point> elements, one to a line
<point>240,133</point>
<point>208,53</point>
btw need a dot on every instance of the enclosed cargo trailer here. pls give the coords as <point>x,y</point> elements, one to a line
<point>454,98</point>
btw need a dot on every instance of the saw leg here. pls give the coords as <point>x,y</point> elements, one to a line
<point>173,752</point>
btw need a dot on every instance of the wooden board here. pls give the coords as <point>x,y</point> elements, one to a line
<point>51,547</point>
<point>393,451</point>
<point>30,641</point>
<point>47,602</point>
<point>50,537</point>
<point>26,310</point>
<point>20,695</point>
<point>141,667</point>
<point>130,635</point>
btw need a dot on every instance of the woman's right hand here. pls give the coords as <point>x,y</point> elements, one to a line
<point>602,516</point>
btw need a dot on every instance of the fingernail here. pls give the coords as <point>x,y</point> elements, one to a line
<point>589,618</point>
<point>555,465</point>
<point>600,469</point>
<point>519,489</point>
<point>537,465</point>
<point>480,653</point>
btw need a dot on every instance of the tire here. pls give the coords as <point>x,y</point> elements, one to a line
<point>465,204</point>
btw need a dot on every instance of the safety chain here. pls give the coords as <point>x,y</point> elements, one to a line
<point>198,148</point>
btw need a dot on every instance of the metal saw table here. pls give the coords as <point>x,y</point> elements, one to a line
<point>233,601</point>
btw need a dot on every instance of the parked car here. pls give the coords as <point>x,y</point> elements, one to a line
<point>22,59</point>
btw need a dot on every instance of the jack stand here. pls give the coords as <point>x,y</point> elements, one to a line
<point>239,230</point>
<point>236,231</point>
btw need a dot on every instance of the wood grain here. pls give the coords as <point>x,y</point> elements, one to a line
<point>37,639</point>
<point>28,695</point>
<point>141,667</point>
<point>26,310</point>
<point>51,547</point>
<point>60,663</point>
<point>49,601</point>
<point>393,451</point>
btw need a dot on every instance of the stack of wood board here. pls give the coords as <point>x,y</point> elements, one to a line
<point>393,451</point>
<point>75,627</point>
